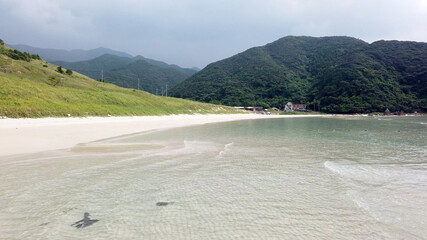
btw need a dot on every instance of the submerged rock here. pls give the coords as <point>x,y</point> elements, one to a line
<point>162,204</point>
<point>85,222</point>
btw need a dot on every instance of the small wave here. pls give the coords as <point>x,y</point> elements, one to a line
<point>384,119</point>
<point>377,174</point>
<point>227,148</point>
<point>191,147</point>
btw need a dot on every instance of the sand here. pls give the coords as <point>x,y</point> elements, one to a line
<point>23,136</point>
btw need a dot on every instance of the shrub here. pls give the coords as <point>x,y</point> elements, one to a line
<point>69,72</point>
<point>35,56</point>
<point>59,69</point>
<point>53,80</point>
<point>1,42</point>
<point>17,55</point>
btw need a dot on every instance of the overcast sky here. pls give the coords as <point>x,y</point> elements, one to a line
<point>197,32</point>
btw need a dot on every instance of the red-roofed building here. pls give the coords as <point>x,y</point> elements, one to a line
<point>299,107</point>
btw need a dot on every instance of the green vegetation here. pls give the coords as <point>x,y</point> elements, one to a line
<point>17,55</point>
<point>76,55</point>
<point>341,74</point>
<point>27,89</point>
<point>59,69</point>
<point>148,74</point>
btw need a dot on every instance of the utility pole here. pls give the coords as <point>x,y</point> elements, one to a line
<point>102,77</point>
<point>162,91</point>
<point>156,91</point>
<point>166,90</point>
<point>138,83</point>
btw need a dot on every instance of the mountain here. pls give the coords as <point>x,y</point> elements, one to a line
<point>189,71</point>
<point>31,87</point>
<point>77,55</point>
<point>342,74</point>
<point>93,68</point>
<point>123,71</point>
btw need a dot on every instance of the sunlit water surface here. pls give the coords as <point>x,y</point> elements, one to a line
<point>310,178</point>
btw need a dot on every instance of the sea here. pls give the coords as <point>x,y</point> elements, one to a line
<point>352,177</point>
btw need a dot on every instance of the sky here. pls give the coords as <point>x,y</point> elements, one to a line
<point>194,33</point>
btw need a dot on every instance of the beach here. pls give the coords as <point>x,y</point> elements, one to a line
<point>213,176</point>
<point>28,135</point>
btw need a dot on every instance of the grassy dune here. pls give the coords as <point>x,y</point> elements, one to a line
<point>36,89</point>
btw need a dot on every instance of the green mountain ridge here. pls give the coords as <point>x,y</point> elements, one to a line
<point>342,74</point>
<point>31,87</point>
<point>76,55</point>
<point>123,71</point>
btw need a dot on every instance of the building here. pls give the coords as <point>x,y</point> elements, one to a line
<point>255,109</point>
<point>295,107</point>
<point>300,107</point>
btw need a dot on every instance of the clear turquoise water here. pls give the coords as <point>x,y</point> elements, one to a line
<point>306,178</point>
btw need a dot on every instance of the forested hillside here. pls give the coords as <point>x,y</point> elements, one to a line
<point>123,71</point>
<point>341,74</point>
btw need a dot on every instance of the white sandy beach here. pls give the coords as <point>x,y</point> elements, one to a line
<point>22,136</point>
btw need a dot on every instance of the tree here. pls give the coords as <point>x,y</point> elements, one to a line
<point>35,56</point>
<point>1,42</point>
<point>69,72</point>
<point>59,69</point>
<point>17,55</point>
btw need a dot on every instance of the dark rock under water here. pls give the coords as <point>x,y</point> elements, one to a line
<point>85,222</point>
<point>163,204</point>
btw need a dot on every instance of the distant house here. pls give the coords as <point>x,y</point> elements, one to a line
<point>300,107</point>
<point>255,109</point>
<point>295,107</point>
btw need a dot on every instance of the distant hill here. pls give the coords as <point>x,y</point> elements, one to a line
<point>77,55</point>
<point>161,64</point>
<point>31,87</point>
<point>123,71</point>
<point>341,74</point>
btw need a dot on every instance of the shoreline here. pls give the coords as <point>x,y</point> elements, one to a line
<point>28,135</point>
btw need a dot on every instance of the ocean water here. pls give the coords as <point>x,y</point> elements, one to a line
<point>305,178</point>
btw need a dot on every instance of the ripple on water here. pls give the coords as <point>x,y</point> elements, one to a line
<point>253,180</point>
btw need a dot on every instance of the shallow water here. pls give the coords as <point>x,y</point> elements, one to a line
<point>307,178</point>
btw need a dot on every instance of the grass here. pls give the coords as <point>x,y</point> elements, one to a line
<point>36,89</point>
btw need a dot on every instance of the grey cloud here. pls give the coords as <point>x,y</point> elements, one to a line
<point>197,32</point>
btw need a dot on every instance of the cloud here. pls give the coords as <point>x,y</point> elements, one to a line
<point>196,32</point>
<point>46,15</point>
<point>43,21</point>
